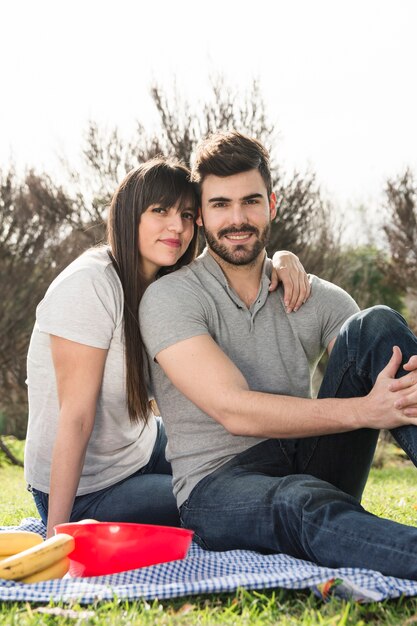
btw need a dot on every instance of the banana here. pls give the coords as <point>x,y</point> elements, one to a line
<point>56,570</point>
<point>37,558</point>
<point>13,542</point>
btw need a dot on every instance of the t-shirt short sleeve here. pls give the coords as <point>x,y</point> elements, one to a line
<point>171,311</point>
<point>334,306</point>
<point>80,307</point>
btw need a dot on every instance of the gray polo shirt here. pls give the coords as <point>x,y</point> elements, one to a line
<point>275,351</point>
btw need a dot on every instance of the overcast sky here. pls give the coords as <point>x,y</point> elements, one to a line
<point>339,77</point>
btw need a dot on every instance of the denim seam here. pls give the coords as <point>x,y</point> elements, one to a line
<point>343,369</point>
<point>355,538</point>
<point>236,506</point>
<point>411,451</point>
<point>307,461</point>
<point>282,446</point>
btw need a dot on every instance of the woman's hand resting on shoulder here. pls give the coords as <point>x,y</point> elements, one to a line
<point>289,271</point>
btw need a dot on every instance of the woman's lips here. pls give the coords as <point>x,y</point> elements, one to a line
<point>172,243</point>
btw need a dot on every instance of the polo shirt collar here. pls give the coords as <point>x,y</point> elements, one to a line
<point>215,270</point>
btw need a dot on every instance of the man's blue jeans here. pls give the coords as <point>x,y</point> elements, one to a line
<point>302,497</point>
<point>144,497</point>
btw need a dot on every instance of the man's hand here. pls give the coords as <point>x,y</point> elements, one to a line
<point>407,388</point>
<point>386,402</point>
<point>288,270</point>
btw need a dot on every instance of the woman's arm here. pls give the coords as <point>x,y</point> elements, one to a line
<point>79,374</point>
<point>289,271</point>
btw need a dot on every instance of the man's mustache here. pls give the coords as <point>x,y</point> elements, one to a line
<point>232,230</point>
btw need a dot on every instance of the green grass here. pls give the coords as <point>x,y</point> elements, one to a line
<point>15,501</point>
<point>390,492</point>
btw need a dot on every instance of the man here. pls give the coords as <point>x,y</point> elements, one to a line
<point>257,463</point>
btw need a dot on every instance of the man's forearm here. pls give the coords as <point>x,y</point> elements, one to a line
<point>255,414</point>
<point>225,396</point>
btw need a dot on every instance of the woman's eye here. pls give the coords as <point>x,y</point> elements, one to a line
<point>158,209</point>
<point>188,215</point>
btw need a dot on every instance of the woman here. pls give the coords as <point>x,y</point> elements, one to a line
<point>94,449</point>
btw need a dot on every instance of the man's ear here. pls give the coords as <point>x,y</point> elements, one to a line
<point>272,205</point>
<point>199,220</point>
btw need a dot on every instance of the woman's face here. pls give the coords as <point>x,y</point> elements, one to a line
<point>164,235</point>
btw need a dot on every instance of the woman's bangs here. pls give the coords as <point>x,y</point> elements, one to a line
<point>171,187</point>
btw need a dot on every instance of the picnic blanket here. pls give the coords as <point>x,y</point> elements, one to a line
<point>204,572</point>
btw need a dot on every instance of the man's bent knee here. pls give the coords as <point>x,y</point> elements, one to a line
<point>375,318</point>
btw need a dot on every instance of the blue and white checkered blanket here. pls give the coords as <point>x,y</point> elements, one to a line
<point>209,572</point>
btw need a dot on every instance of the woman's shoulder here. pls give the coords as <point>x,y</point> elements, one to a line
<point>90,281</point>
<point>94,260</point>
<point>94,266</point>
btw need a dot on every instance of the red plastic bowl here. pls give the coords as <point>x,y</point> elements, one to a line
<point>108,547</point>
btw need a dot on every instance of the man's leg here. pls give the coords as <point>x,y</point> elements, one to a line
<point>362,350</point>
<point>244,506</point>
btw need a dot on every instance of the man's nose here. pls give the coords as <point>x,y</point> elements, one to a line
<point>239,213</point>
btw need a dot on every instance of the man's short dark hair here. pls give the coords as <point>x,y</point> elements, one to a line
<point>229,152</point>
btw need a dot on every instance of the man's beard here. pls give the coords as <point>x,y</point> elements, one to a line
<point>238,255</point>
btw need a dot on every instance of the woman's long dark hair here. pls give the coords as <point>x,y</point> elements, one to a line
<point>159,180</point>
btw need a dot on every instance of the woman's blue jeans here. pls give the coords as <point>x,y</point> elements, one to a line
<point>302,497</point>
<point>145,497</point>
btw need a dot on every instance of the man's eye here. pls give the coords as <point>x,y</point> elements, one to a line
<point>219,205</point>
<point>252,201</point>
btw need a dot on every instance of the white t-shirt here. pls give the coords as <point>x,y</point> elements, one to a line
<point>84,304</point>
